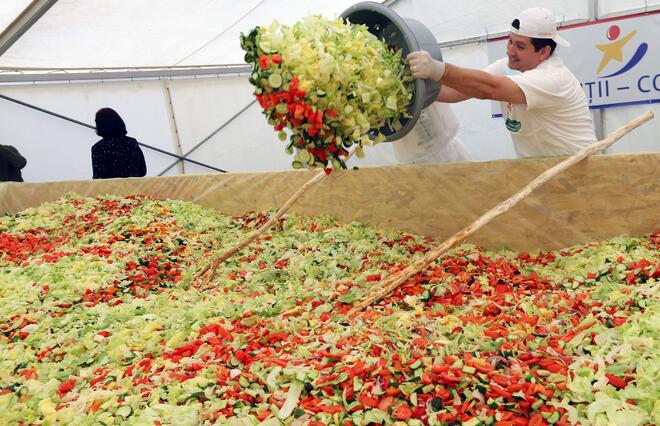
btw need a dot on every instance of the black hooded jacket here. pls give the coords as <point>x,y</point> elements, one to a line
<point>11,163</point>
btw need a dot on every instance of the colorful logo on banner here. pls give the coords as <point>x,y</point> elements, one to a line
<point>614,51</point>
<point>621,76</point>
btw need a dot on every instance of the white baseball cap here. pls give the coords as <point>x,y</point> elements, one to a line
<point>538,22</point>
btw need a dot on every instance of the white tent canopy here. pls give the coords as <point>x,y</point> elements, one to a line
<point>147,33</point>
<point>174,71</point>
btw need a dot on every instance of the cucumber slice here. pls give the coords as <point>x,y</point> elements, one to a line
<point>305,156</point>
<point>554,418</point>
<point>281,108</point>
<point>193,397</point>
<point>124,411</point>
<point>436,404</point>
<point>265,46</point>
<point>275,80</point>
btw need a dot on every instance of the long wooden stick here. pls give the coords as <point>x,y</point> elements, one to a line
<point>215,263</point>
<point>390,283</point>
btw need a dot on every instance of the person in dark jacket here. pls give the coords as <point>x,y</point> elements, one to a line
<point>116,155</point>
<point>11,163</point>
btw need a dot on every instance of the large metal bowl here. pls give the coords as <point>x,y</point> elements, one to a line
<point>402,33</point>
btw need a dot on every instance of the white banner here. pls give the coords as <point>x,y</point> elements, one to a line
<point>617,61</point>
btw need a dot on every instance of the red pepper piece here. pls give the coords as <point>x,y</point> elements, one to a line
<point>615,381</point>
<point>66,387</point>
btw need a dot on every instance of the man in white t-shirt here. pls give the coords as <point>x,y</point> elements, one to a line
<point>433,139</point>
<point>544,107</point>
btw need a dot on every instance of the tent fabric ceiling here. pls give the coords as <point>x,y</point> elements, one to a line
<point>101,34</point>
<point>476,18</point>
<point>9,10</point>
<point>148,33</point>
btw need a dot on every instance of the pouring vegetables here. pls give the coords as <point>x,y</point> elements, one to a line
<point>326,85</point>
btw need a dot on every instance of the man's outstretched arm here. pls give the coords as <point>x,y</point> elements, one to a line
<point>470,82</point>
<point>482,85</point>
<point>450,96</point>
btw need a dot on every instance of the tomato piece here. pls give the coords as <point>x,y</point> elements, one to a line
<point>30,373</point>
<point>330,409</point>
<point>402,412</point>
<point>263,62</point>
<point>385,403</point>
<point>368,401</point>
<point>537,420</point>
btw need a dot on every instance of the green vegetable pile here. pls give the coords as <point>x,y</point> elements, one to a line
<point>101,323</point>
<point>332,84</point>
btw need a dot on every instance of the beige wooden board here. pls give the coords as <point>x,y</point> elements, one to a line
<point>599,198</point>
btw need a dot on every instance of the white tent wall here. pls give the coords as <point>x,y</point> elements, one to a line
<point>246,142</point>
<point>611,8</point>
<point>54,149</point>
<point>645,139</point>
<point>57,149</point>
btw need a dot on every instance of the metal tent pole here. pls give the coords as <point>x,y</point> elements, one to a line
<point>23,23</point>
<point>213,133</point>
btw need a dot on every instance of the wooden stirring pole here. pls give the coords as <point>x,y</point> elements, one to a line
<point>389,284</point>
<point>215,263</point>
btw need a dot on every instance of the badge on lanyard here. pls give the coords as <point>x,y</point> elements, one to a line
<point>511,124</point>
